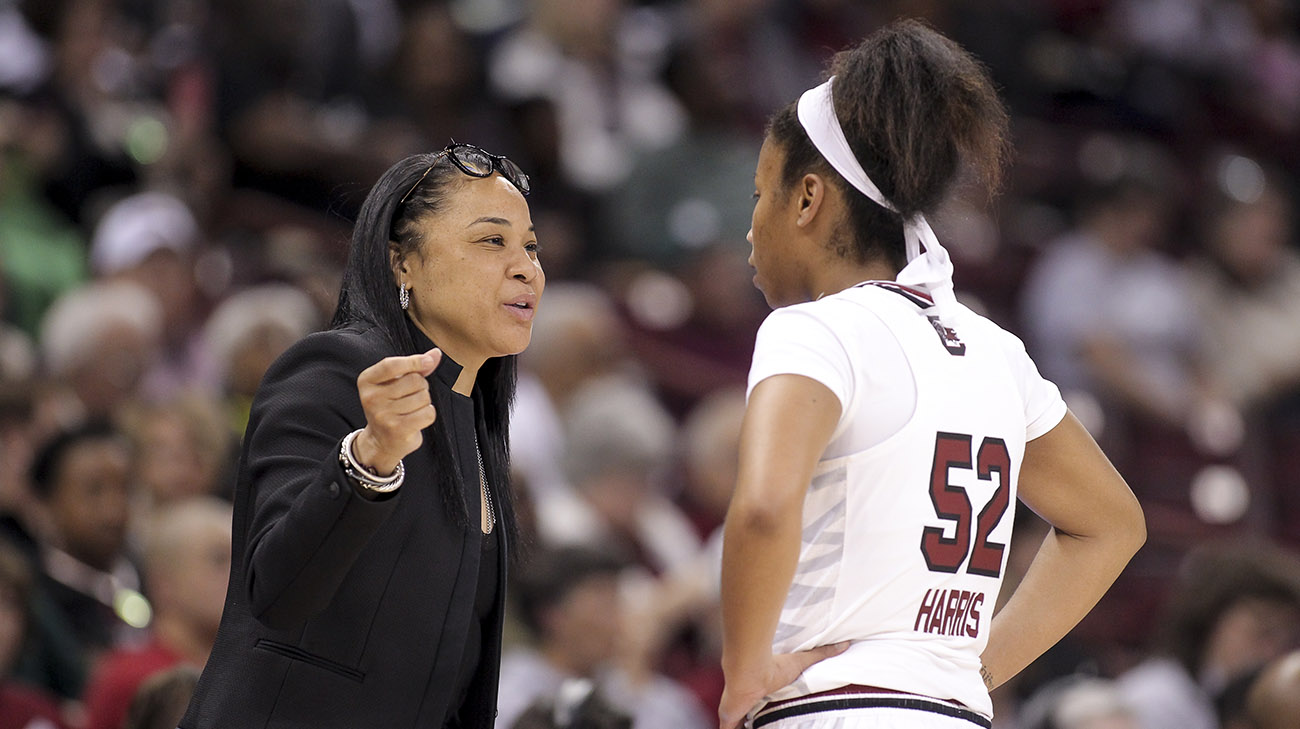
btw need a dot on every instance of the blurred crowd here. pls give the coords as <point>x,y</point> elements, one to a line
<point>177,181</point>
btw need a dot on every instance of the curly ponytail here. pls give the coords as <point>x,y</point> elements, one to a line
<point>914,106</point>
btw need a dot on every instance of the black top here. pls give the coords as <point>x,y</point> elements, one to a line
<point>484,603</point>
<point>344,611</point>
<point>461,418</point>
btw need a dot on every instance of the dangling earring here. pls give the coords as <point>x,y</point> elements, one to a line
<point>403,296</point>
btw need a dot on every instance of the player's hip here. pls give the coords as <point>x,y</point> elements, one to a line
<point>864,707</point>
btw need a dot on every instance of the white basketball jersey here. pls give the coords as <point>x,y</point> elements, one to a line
<point>904,543</point>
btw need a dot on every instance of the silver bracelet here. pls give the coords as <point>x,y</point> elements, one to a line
<point>364,476</point>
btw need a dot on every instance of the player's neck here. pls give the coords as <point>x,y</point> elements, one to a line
<point>841,274</point>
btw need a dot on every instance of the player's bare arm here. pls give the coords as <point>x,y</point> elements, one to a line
<point>1097,526</point>
<point>788,422</point>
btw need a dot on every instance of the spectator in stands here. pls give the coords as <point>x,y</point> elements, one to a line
<point>1271,70</point>
<point>1247,287</point>
<point>1234,609</point>
<point>82,477</point>
<point>246,333</point>
<point>84,35</point>
<point>50,657</point>
<point>576,705</point>
<point>675,621</point>
<point>570,600</point>
<point>1110,315</point>
<point>700,339</point>
<point>42,254</point>
<point>617,455</point>
<point>21,706</point>
<point>294,81</point>
<point>746,56</point>
<point>438,80</point>
<point>187,565</point>
<point>709,443</point>
<point>1078,702</point>
<point>1274,699</point>
<point>150,239</point>
<point>160,703</point>
<point>183,448</point>
<point>98,341</point>
<point>579,338</point>
<point>682,197</point>
<point>597,64</point>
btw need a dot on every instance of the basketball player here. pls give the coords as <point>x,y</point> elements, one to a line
<point>889,429</point>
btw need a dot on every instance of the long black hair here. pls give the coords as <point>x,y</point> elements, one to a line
<point>412,189</point>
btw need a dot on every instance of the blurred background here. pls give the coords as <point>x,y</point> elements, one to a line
<point>177,184</point>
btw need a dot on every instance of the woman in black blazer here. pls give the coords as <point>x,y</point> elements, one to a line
<point>372,509</point>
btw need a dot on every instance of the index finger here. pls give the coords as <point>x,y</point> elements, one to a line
<point>391,368</point>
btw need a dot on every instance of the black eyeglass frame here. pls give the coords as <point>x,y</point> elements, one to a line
<point>494,164</point>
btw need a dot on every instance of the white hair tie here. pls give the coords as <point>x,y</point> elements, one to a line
<point>931,270</point>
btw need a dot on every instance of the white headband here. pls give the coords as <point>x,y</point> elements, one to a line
<point>931,271</point>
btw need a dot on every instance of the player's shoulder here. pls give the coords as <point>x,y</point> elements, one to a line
<point>987,328</point>
<point>991,341</point>
<point>793,314</point>
<point>829,316</point>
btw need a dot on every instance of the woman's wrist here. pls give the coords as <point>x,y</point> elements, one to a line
<point>362,475</point>
<point>748,668</point>
<point>366,453</point>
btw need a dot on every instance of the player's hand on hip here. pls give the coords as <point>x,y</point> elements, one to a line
<point>742,693</point>
<point>395,396</point>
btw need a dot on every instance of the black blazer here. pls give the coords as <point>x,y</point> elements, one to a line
<point>344,611</point>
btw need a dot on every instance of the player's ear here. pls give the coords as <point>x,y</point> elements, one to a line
<point>812,192</point>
